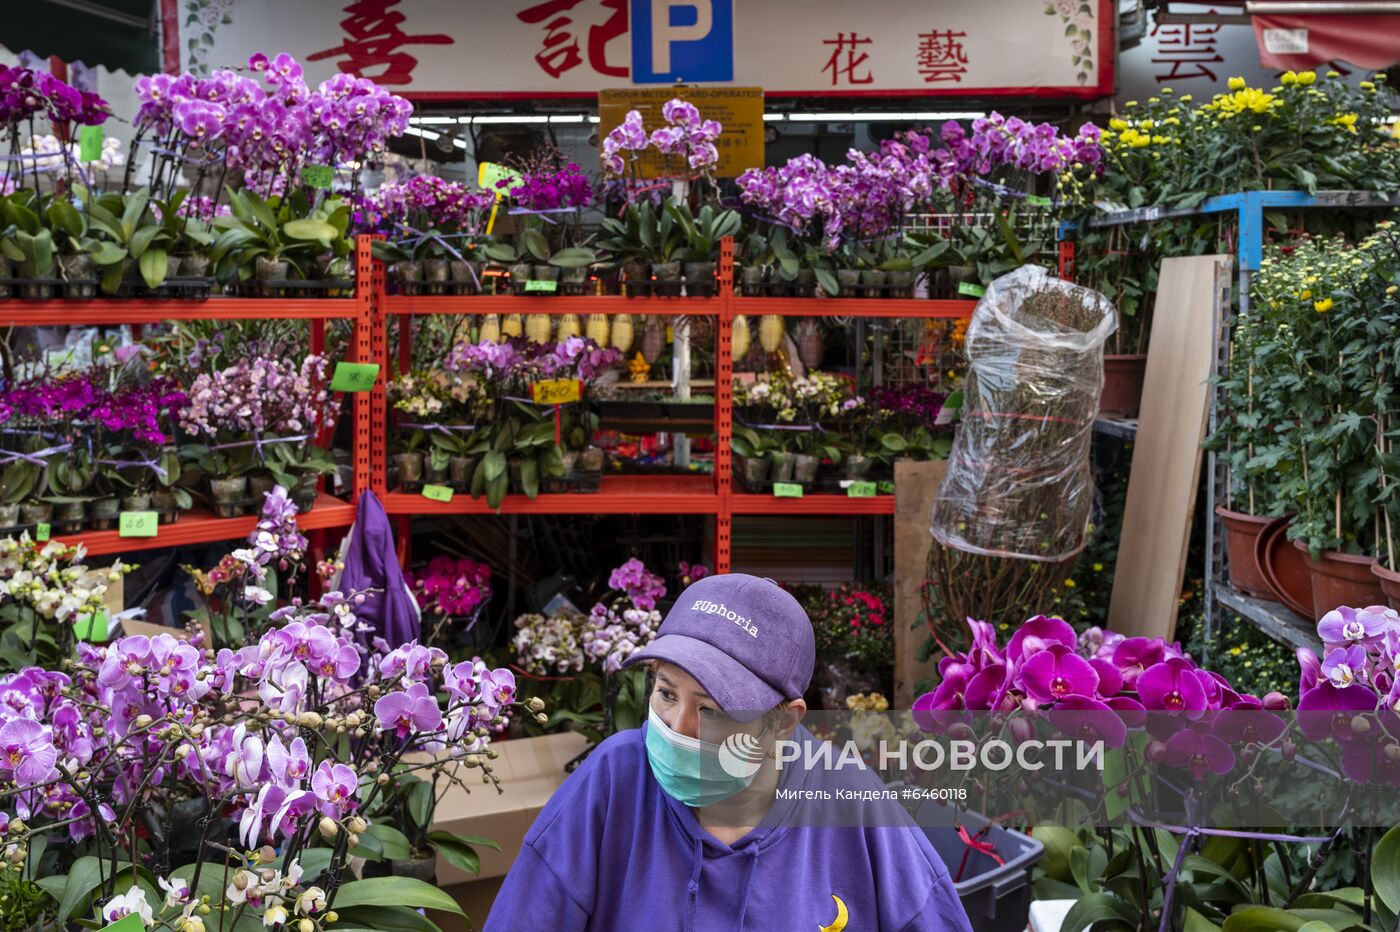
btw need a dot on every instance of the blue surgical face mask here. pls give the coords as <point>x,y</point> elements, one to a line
<point>693,771</point>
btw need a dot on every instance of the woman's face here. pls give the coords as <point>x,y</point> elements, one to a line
<point>687,709</point>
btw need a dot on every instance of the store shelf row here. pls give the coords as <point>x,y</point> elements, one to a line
<point>199,526</point>
<point>916,308</point>
<point>1272,618</point>
<point>111,312</point>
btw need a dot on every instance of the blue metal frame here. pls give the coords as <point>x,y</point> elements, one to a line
<point>1250,207</point>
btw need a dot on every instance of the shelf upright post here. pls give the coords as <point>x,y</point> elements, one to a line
<point>363,350</point>
<point>724,407</point>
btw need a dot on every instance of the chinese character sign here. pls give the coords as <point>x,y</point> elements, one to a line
<point>564,48</point>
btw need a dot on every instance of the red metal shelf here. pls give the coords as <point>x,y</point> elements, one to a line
<point>17,313</point>
<point>948,309</point>
<point>549,304</point>
<point>745,504</point>
<point>199,526</point>
<point>619,495</point>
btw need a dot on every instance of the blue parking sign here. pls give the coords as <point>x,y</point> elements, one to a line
<point>682,40</point>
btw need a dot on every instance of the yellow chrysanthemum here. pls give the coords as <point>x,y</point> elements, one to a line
<point>1306,78</point>
<point>1117,125</point>
<point>1237,84</point>
<point>1323,306</point>
<point>1345,120</point>
<point>1249,100</point>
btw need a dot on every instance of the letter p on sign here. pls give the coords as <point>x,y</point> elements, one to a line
<point>682,40</point>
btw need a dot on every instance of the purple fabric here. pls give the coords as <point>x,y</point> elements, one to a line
<point>612,852</point>
<point>372,562</point>
<point>746,640</point>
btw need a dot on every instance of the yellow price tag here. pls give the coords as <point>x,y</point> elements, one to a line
<point>556,391</point>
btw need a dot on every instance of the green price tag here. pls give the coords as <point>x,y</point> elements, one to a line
<point>540,284</point>
<point>971,290</point>
<point>89,143</point>
<point>354,376</point>
<point>861,490</point>
<point>1036,200</point>
<point>42,532</point>
<point>438,493</point>
<point>317,176</point>
<point>93,629</point>
<point>787,490</point>
<point>886,487</point>
<point>136,524</point>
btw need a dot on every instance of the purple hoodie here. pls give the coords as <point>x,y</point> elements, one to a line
<point>612,852</point>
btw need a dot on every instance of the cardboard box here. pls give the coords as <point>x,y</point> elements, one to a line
<point>530,770</point>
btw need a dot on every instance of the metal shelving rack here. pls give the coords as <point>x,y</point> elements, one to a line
<point>1248,207</point>
<point>713,495</point>
<point>199,525</point>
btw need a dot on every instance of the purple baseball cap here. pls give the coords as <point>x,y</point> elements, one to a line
<point>746,640</point>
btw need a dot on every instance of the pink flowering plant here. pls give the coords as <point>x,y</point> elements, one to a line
<point>425,217</point>
<point>198,788</point>
<point>260,412</point>
<point>451,592</point>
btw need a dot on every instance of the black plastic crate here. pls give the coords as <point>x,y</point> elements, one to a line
<point>996,896</point>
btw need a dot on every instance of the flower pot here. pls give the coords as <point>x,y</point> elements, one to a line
<point>782,466</point>
<point>574,281</point>
<point>1285,567</point>
<point>874,281</point>
<point>258,487</point>
<point>519,277</point>
<point>136,501</point>
<point>1241,535</point>
<point>901,283</point>
<point>304,491</point>
<point>68,517</point>
<point>849,281</point>
<point>1122,385</point>
<point>959,275</point>
<point>229,496</point>
<point>857,466</point>
<point>37,289</point>
<point>699,279</point>
<point>466,276</point>
<point>410,471</point>
<point>806,283</point>
<point>591,459</point>
<point>408,274</point>
<point>194,266</point>
<point>163,501</point>
<point>424,869</point>
<point>570,459</point>
<point>434,474</point>
<point>7,271</point>
<point>35,513</point>
<point>1390,584</point>
<point>753,470</point>
<point>79,277</point>
<point>270,273</point>
<point>751,281</point>
<point>1341,579</point>
<point>666,279</point>
<point>545,273</point>
<point>436,275</point>
<point>804,467</point>
<point>515,477</point>
<point>9,516</point>
<point>636,280</point>
<point>460,470</point>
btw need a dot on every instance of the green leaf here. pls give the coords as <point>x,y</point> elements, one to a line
<point>392,842</point>
<point>1385,869</point>
<point>84,877</point>
<point>894,443</point>
<point>535,243</point>
<point>383,919</point>
<point>459,850</point>
<point>1195,922</point>
<point>530,477</point>
<point>420,803</point>
<point>395,891</point>
<point>1099,907</point>
<point>1262,919</point>
<point>141,240</point>
<point>155,263</point>
<point>494,464</point>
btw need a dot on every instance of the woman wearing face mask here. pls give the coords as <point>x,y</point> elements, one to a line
<point>659,830</point>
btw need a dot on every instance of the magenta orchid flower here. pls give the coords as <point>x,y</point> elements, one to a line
<point>1200,752</point>
<point>27,752</point>
<point>1057,672</point>
<point>1172,686</point>
<point>1344,626</point>
<point>334,788</point>
<point>1345,665</point>
<point>405,713</point>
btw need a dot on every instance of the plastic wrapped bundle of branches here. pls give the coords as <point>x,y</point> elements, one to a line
<point>1013,511</point>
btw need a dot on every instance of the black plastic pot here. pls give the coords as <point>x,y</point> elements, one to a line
<point>997,897</point>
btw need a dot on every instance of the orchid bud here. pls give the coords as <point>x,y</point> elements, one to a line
<point>183,751</point>
<point>240,880</point>
<point>310,720</point>
<point>1392,751</point>
<point>266,854</point>
<point>542,718</point>
<point>268,875</point>
<point>328,828</point>
<point>357,824</point>
<point>17,826</point>
<point>1022,730</point>
<point>1156,751</point>
<point>534,704</point>
<point>142,721</point>
<point>353,841</point>
<point>1288,750</point>
<point>306,925</point>
<point>382,779</point>
<point>1360,725</point>
<point>1276,702</point>
<point>331,916</point>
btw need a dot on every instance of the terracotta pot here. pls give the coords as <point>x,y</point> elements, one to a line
<point>1241,534</point>
<point>1342,579</point>
<point>1285,567</point>
<point>1390,584</point>
<point>1122,385</point>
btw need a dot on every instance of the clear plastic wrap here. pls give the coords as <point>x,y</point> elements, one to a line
<point>1018,482</point>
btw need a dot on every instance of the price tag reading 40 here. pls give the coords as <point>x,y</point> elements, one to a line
<point>787,490</point>
<point>137,524</point>
<point>354,376</point>
<point>556,391</point>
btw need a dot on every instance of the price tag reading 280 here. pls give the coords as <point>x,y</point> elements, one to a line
<point>556,391</point>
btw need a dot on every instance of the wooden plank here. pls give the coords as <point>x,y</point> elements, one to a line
<point>1167,453</point>
<point>915,485</point>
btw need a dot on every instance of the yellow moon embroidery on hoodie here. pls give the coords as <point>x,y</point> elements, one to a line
<point>839,923</point>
